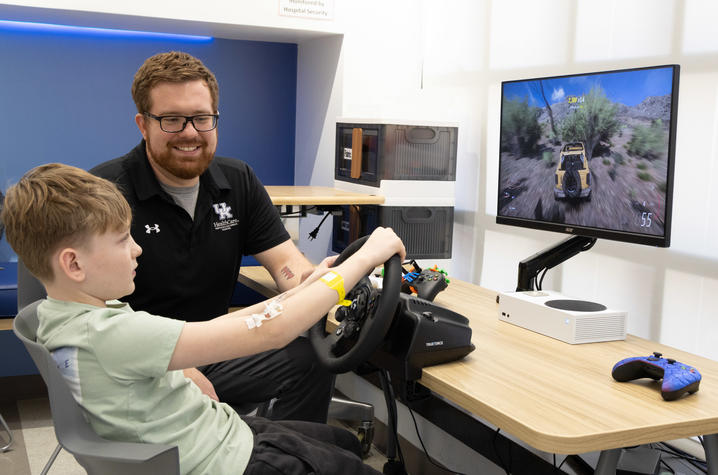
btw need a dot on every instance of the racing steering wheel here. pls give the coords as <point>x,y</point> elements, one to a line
<point>364,324</point>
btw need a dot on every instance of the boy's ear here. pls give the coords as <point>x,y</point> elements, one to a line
<point>70,264</point>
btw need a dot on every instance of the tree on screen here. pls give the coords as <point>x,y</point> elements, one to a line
<point>593,122</point>
<point>520,126</point>
<point>554,134</point>
<point>648,142</point>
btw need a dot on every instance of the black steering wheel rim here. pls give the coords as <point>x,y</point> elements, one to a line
<point>375,326</point>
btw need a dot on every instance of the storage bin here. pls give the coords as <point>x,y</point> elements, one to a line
<point>426,230</point>
<point>367,153</point>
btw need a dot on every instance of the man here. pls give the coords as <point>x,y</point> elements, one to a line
<point>195,216</point>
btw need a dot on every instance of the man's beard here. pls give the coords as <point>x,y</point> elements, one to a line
<point>170,161</point>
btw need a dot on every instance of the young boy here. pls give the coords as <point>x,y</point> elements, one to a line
<point>71,229</point>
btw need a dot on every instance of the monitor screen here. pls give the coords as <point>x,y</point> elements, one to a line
<point>590,154</point>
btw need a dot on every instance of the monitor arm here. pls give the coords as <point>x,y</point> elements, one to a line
<point>550,257</point>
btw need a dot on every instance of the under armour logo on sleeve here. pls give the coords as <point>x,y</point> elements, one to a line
<point>149,229</point>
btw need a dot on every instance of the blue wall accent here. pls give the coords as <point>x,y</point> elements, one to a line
<point>66,97</point>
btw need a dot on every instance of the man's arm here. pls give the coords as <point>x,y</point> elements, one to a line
<point>286,264</point>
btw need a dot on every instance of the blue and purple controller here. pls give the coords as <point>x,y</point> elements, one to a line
<point>678,378</point>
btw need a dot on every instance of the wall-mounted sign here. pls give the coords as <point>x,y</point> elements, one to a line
<point>315,9</point>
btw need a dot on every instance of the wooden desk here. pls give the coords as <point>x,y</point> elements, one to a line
<point>319,195</point>
<point>557,397</point>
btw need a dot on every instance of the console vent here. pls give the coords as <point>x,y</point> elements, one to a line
<point>600,328</point>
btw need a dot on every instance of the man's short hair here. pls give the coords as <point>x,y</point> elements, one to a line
<point>174,67</point>
<point>58,205</point>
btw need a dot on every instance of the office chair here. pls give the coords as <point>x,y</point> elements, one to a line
<point>95,454</point>
<point>29,289</point>
<point>4,426</point>
<point>341,409</point>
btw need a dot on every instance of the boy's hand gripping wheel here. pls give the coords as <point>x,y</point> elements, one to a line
<point>363,324</point>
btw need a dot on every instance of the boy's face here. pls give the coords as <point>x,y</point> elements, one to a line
<point>110,263</point>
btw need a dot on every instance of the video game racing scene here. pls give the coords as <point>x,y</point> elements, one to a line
<point>587,150</point>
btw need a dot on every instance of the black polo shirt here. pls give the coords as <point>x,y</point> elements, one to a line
<point>188,268</point>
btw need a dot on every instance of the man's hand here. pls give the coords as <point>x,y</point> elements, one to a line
<point>201,381</point>
<point>310,275</point>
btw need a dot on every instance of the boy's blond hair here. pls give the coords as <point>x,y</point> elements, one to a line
<point>58,205</point>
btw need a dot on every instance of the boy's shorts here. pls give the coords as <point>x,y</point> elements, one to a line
<point>299,447</point>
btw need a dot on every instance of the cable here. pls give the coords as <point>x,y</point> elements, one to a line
<point>663,462</point>
<point>426,452</point>
<point>562,462</point>
<point>695,462</point>
<point>498,455</point>
<point>313,234</point>
<point>296,214</point>
<point>677,452</point>
<point>541,280</point>
<point>391,410</point>
<point>589,245</point>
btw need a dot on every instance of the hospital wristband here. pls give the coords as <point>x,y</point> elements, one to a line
<point>336,282</point>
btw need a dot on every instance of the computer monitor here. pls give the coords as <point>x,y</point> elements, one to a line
<point>590,155</point>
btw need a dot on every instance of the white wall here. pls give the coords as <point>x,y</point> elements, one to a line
<point>238,19</point>
<point>445,61</point>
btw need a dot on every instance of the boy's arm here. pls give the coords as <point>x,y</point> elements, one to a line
<point>229,336</point>
<point>202,382</point>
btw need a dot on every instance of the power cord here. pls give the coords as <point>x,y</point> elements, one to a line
<point>313,234</point>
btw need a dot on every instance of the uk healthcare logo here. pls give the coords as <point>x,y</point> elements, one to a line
<point>149,229</point>
<point>222,210</point>
<point>226,221</point>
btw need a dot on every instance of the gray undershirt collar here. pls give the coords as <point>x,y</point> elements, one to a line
<point>184,196</point>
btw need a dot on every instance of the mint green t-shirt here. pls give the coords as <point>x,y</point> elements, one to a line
<point>116,359</point>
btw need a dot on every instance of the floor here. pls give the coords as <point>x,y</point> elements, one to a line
<point>34,441</point>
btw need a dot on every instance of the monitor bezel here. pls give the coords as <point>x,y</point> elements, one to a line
<point>578,230</point>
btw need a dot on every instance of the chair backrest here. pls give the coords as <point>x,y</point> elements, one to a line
<point>74,433</point>
<point>29,289</point>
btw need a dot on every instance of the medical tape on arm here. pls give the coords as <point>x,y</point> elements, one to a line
<point>272,309</point>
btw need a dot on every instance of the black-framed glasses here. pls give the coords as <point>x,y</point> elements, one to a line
<point>173,124</point>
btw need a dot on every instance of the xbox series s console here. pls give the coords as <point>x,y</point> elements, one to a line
<point>564,318</point>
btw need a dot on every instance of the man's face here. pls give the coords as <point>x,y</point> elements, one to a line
<point>183,155</point>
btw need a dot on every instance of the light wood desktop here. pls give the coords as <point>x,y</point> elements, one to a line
<point>557,397</point>
<point>319,195</point>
